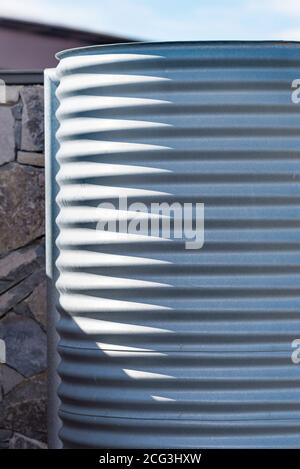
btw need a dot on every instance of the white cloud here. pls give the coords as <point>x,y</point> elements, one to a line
<point>292,34</point>
<point>286,7</point>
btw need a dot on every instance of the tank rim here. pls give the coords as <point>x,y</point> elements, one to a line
<point>87,50</point>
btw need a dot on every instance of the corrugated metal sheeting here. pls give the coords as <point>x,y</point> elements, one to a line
<point>162,346</point>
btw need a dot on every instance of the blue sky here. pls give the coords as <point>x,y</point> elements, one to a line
<point>168,19</point>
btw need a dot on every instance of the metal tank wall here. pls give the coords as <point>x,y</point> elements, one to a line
<point>161,346</point>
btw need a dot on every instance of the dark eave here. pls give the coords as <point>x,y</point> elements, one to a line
<point>61,31</point>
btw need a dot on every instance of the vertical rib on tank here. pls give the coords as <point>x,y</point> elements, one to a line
<point>162,346</point>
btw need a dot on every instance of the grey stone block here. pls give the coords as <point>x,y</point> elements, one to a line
<point>9,379</point>
<point>18,133</point>
<point>32,118</point>
<point>31,158</point>
<point>19,441</point>
<point>12,93</point>
<point>19,264</point>
<point>25,344</point>
<point>17,110</point>
<point>22,205</point>
<point>36,302</point>
<point>7,135</point>
<point>5,436</point>
<point>24,409</point>
<point>19,292</point>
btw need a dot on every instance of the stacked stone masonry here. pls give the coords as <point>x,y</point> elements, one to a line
<point>22,271</point>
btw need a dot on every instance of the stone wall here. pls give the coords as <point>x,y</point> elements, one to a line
<point>22,271</point>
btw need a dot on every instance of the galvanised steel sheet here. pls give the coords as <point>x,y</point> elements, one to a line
<point>163,346</point>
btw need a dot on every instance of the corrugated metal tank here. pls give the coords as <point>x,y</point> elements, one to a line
<point>161,346</point>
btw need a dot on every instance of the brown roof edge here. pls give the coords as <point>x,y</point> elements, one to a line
<point>61,31</point>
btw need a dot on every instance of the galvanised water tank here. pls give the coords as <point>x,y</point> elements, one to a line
<point>159,345</point>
